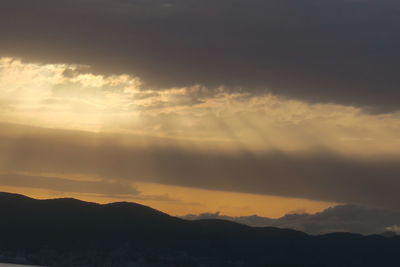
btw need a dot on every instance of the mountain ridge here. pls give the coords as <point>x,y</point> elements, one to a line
<point>65,232</point>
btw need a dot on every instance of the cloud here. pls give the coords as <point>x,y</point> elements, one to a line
<point>66,185</point>
<point>317,175</point>
<point>342,218</point>
<point>44,95</point>
<point>339,51</point>
<point>393,228</point>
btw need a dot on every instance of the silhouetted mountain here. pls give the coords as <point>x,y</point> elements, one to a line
<point>341,218</point>
<point>69,232</point>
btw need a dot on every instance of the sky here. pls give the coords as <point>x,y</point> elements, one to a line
<point>193,106</point>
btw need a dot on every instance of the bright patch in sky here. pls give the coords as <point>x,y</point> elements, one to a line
<point>76,122</point>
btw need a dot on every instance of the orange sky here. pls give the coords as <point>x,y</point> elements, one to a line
<point>176,200</point>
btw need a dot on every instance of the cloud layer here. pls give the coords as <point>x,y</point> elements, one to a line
<point>319,175</point>
<point>62,119</point>
<point>61,96</point>
<point>339,51</point>
<point>343,218</point>
<point>67,185</point>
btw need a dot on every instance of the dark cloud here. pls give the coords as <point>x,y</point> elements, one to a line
<point>116,190</point>
<point>342,218</point>
<point>342,51</point>
<point>67,185</point>
<point>321,175</point>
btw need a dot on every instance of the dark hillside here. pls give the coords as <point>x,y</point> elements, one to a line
<point>69,232</point>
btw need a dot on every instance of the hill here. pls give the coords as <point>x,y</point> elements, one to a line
<point>69,232</point>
